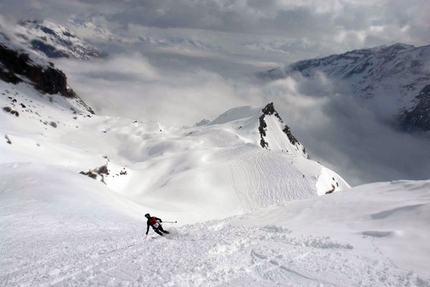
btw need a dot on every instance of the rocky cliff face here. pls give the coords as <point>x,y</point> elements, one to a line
<point>268,111</point>
<point>16,66</point>
<point>289,141</point>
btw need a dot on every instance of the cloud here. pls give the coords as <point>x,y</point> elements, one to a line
<point>346,136</point>
<point>327,27</point>
<point>129,86</point>
<point>181,90</point>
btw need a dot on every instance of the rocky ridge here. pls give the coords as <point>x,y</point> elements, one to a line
<point>17,65</point>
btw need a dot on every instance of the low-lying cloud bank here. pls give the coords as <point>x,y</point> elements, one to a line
<point>335,128</point>
<point>129,86</point>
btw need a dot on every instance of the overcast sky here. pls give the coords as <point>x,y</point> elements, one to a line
<point>179,61</point>
<point>287,29</point>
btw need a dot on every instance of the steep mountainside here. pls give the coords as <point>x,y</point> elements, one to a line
<point>419,115</point>
<point>395,74</point>
<point>273,133</point>
<point>53,40</point>
<point>19,66</point>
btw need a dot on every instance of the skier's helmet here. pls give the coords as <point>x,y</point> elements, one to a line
<point>147,215</point>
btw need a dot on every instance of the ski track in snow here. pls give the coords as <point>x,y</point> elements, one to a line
<point>211,254</point>
<point>260,180</point>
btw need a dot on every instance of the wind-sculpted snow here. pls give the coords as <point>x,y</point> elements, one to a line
<point>61,229</point>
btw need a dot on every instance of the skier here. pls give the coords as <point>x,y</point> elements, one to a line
<point>154,222</point>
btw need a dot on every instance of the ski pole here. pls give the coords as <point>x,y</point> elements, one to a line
<point>170,221</point>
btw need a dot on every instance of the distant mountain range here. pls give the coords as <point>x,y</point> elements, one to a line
<point>53,40</point>
<point>398,75</point>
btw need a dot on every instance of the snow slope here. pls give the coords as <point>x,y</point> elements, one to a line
<point>61,229</point>
<point>212,166</point>
<point>246,215</point>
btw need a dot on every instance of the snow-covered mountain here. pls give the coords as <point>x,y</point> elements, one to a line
<point>53,40</point>
<point>397,74</point>
<point>19,65</point>
<point>252,141</point>
<point>87,29</point>
<point>148,162</point>
<point>74,187</point>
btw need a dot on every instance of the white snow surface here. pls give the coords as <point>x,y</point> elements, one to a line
<point>246,215</point>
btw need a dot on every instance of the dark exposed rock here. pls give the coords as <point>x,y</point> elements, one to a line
<point>419,116</point>
<point>10,110</point>
<point>7,139</point>
<point>46,79</point>
<point>262,129</point>
<point>270,110</point>
<point>333,188</point>
<point>48,50</point>
<point>17,66</point>
<point>101,171</point>
<point>289,134</point>
<point>89,174</point>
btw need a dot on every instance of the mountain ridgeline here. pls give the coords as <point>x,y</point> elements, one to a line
<point>269,110</point>
<point>54,41</point>
<point>18,66</point>
<point>266,127</point>
<point>47,79</point>
<point>397,74</point>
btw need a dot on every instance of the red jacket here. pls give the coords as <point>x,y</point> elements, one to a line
<point>154,222</point>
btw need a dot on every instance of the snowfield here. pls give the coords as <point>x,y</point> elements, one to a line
<point>63,229</point>
<point>246,215</point>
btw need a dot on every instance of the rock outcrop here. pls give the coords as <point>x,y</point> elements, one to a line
<point>419,116</point>
<point>16,66</point>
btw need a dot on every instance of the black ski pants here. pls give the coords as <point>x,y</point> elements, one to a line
<point>160,229</point>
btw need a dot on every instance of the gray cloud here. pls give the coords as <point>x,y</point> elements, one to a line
<point>328,27</point>
<point>129,86</point>
<point>346,136</point>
